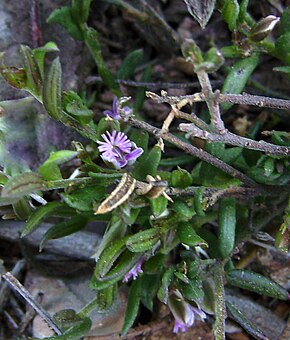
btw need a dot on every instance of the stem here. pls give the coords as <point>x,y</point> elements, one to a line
<point>220,313</point>
<point>65,183</point>
<point>230,138</point>
<point>192,150</point>
<point>244,98</point>
<point>16,285</point>
<point>89,307</point>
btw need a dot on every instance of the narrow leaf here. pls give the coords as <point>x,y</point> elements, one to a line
<point>242,320</point>
<point>256,283</point>
<point>132,60</point>
<point>63,229</point>
<point>238,77</point>
<point>188,236</point>
<point>143,240</point>
<point>63,16</point>
<point>38,215</point>
<point>52,90</point>
<point>133,305</point>
<point>200,10</point>
<point>22,185</point>
<point>33,74</point>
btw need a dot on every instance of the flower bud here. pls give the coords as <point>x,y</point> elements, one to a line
<point>263,27</point>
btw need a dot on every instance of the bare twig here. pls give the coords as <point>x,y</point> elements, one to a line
<point>245,98</point>
<point>216,132</point>
<point>16,285</point>
<point>29,315</point>
<point>17,269</point>
<point>260,101</point>
<point>190,149</point>
<point>230,138</point>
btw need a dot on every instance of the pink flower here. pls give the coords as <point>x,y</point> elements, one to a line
<point>135,271</point>
<point>118,150</point>
<point>183,312</point>
<point>115,114</point>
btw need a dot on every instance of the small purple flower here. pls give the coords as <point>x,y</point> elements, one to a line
<point>115,114</point>
<point>183,312</point>
<point>118,150</point>
<point>135,271</point>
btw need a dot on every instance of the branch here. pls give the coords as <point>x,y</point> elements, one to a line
<point>245,98</point>
<point>230,138</point>
<point>16,285</point>
<point>216,132</point>
<point>188,148</point>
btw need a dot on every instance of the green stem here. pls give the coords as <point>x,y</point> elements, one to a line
<point>88,308</point>
<point>221,314</point>
<point>66,183</point>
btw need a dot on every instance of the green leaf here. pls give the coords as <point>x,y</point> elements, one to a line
<point>63,16</point>
<point>22,209</point>
<point>283,69</point>
<point>238,77</point>
<point>155,264</point>
<point>115,230</point>
<point>230,13</point>
<point>125,263</point>
<point>150,285</point>
<point>199,202</point>
<point>109,256</point>
<point>284,25</point>
<point>158,205</point>
<point>80,10</point>
<point>105,298</point>
<point>163,291</point>
<point>143,240</point>
<point>49,170</point>
<point>200,10</point>
<point>74,105</point>
<point>179,160</point>
<point>282,47</point>
<point>140,138</point>
<point>193,290</point>
<point>93,44</point>
<point>180,178</point>
<point>75,327</point>
<point>188,236</point>
<point>227,226</point>
<point>63,229</point>
<point>242,320</point>
<point>83,199</point>
<point>22,184</point>
<point>99,284</point>
<point>148,165</point>
<point>183,210</point>
<point>132,60</point>
<point>231,154</point>
<point>40,52</point>
<point>191,52</point>
<point>259,175</point>
<point>33,74</point>
<point>216,149</point>
<point>38,215</point>
<point>213,60</point>
<point>15,77</point>
<point>257,283</point>
<point>134,297</point>
<point>52,90</point>
<point>244,16</point>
